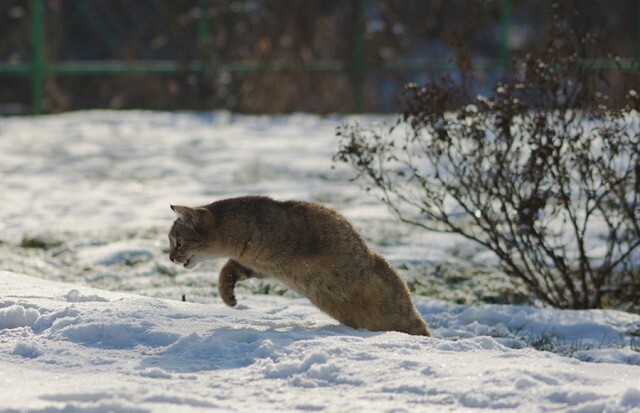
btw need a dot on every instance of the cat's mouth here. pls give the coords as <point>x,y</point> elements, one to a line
<point>190,262</point>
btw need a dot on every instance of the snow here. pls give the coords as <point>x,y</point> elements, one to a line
<point>67,347</point>
<point>91,317</point>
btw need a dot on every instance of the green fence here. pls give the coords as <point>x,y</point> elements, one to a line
<point>38,68</point>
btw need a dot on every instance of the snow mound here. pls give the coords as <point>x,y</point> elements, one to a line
<point>15,316</point>
<point>77,348</point>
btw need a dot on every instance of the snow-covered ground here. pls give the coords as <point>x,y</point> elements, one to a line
<point>91,317</point>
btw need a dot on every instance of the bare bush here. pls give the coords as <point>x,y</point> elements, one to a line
<point>541,172</point>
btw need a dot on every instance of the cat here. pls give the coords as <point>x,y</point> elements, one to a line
<point>311,248</point>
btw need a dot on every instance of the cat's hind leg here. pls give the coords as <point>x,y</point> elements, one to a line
<point>231,273</point>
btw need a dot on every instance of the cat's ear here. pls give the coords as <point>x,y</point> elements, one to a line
<point>203,217</point>
<point>195,216</point>
<point>184,212</point>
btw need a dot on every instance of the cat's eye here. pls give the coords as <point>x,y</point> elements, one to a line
<point>178,243</point>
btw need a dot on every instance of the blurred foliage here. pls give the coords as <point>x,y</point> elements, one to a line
<point>221,32</point>
<point>544,171</point>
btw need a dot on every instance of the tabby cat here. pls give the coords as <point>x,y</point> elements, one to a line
<point>311,248</point>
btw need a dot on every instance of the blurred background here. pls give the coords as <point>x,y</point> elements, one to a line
<point>273,56</point>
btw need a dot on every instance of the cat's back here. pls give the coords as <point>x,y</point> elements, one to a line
<point>267,210</point>
<point>263,210</point>
<point>299,226</point>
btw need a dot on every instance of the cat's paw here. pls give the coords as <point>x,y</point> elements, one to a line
<point>229,299</point>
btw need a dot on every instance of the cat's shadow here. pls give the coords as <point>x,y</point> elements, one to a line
<point>231,348</point>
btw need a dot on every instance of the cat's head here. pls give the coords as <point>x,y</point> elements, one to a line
<point>189,236</point>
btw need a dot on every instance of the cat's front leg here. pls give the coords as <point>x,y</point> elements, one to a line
<point>231,273</point>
